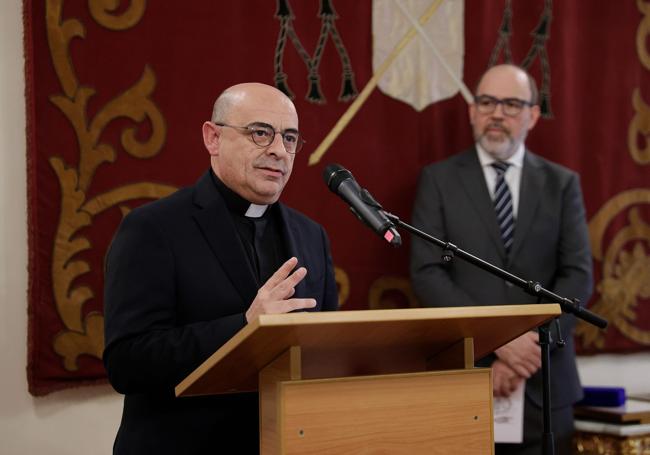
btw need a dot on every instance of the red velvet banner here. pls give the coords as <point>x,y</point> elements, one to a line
<point>116,99</point>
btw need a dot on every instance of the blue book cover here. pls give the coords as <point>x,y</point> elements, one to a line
<point>603,396</point>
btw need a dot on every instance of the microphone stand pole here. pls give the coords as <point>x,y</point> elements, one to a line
<point>449,250</point>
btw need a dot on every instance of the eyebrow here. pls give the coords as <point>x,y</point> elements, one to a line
<point>266,125</point>
<point>510,98</point>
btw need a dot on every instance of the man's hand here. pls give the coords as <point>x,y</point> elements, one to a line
<point>505,380</point>
<point>522,354</point>
<point>274,296</point>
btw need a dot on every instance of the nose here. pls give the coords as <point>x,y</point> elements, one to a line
<point>498,111</point>
<point>276,147</point>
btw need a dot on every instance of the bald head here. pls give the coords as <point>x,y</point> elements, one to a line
<point>241,93</point>
<point>515,73</point>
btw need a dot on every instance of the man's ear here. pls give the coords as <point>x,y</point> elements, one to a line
<point>211,133</point>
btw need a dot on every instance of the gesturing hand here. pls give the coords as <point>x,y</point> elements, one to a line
<point>275,295</point>
<point>522,354</point>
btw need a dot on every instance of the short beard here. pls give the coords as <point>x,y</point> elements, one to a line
<point>498,150</point>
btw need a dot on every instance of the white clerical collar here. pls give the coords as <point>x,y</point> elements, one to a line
<point>516,160</point>
<point>256,211</point>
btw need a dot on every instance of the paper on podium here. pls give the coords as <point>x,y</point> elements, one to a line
<point>509,416</point>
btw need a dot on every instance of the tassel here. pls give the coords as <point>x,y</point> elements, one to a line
<point>348,88</point>
<point>314,95</point>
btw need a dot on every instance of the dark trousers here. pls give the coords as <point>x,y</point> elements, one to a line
<point>562,427</point>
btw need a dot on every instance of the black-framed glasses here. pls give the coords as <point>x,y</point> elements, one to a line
<point>263,135</point>
<point>511,107</point>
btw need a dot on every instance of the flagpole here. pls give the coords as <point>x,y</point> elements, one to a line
<point>315,157</point>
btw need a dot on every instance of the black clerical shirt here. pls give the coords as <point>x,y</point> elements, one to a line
<point>260,236</point>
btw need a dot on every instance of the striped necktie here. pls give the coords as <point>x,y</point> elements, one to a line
<point>503,205</point>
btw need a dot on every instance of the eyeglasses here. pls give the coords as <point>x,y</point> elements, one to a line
<point>512,107</point>
<point>263,136</point>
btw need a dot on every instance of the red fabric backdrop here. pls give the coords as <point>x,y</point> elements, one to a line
<point>156,67</point>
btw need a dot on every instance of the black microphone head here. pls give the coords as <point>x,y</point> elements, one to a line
<point>334,174</point>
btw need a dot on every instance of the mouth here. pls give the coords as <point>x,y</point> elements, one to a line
<point>272,171</point>
<point>495,130</point>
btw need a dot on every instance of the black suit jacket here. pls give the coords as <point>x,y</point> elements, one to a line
<point>177,286</point>
<point>551,246</point>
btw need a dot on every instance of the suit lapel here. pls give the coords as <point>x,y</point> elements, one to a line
<point>530,191</point>
<point>473,183</point>
<point>217,227</point>
<point>292,238</point>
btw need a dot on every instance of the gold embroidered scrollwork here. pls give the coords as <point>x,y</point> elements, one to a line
<point>639,126</point>
<point>343,284</point>
<point>625,268</point>
<point>59,35</point>
<point>99,9</point>
<point>85,334</point>
<point>379,294</point>
<point>642,34</point>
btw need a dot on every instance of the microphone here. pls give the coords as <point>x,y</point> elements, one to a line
<point>341,182</point>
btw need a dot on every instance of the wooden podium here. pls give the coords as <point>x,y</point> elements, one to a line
<point>364,382</point>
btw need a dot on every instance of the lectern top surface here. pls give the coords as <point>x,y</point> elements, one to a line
<point>418,331</point>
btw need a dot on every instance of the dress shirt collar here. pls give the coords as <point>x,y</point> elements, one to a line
<point>516,160</point>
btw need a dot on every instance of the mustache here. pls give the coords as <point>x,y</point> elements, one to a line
<point>496,126</point>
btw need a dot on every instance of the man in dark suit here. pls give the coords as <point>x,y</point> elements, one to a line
<point>522,213</point>
<point>187,272</point>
